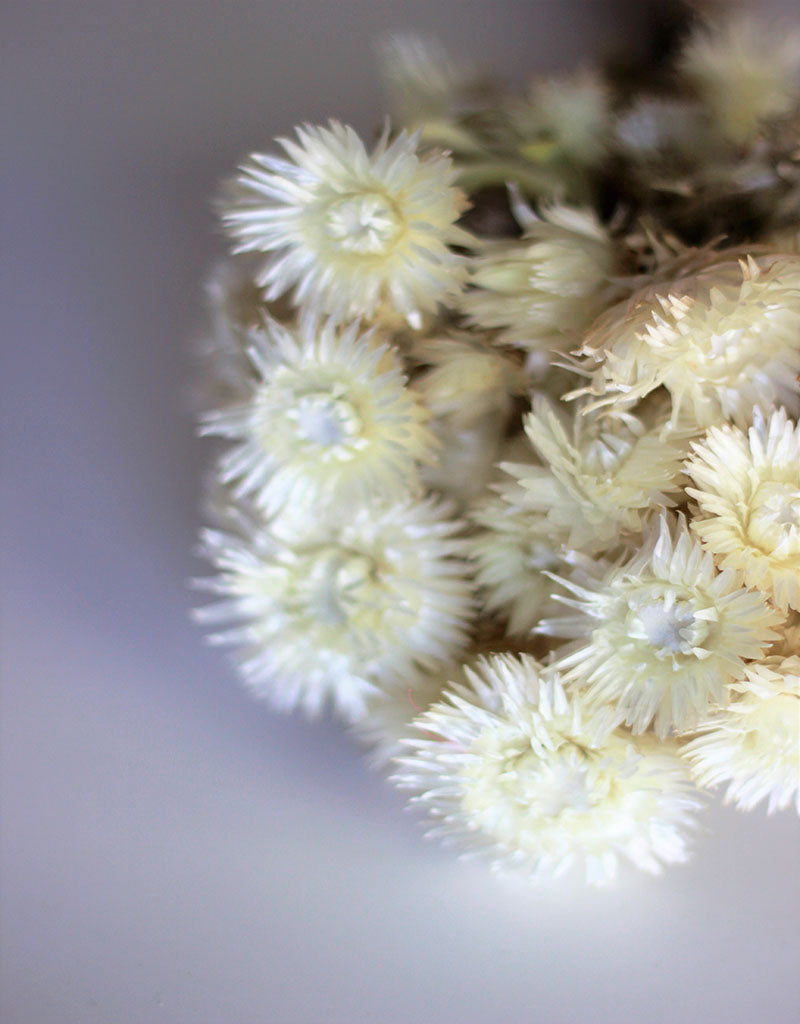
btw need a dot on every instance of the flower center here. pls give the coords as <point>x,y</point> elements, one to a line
<point>333,583</point>
<point>775,523</point>
<point>546,787</point>
<point>367,223</point>
<point>325,419</point>
<point>668,624</point>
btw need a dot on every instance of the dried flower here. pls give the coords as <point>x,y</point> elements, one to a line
<point>721,341</point>
<point>543,290</point>
<point>749,496</point>
<point>754,745</point>
<point>600,475</point>
<point>352,232</point>
<point>531,778</point>
<point>330,422</point>
<point>661,634</point>
<point>340,613</point>
<point>744,72</point>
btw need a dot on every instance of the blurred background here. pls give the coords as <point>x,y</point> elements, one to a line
<point>171,851</point>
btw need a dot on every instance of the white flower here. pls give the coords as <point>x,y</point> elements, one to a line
<point>754,745</point>
<point>543,290</point>
<point>352,231</point>
<point>573,113</point>
<point>340,613</point>
<point>749,496</point>
<point>514,767</point>
<point>512,550</point>
<point>721,341</point>
<point>663,633</point>
<point>599,476</point>
<point>744,72</point>
<point>329,424</point>
<point>465,456</point>
<point>467,378</point>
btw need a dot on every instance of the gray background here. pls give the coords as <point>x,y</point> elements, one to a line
<point>170,850</point>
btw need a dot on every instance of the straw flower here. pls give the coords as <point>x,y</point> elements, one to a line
<point>338,614</point>
<point>754,745</point>
<point>350,231</point>
<point>661,634</point>
<point>511,766</point>
<point>721,341</point>
<point>512,549</point>
<point>600,475</point>
<point>749,496</point>
<point>744,72</point>
<point>543,290</point>
<point>330,422</point>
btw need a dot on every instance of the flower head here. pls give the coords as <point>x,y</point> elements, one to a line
<point>329,422</point>
<point>749,496</point>
<point>542,290</point>
<point>352,232</point>
<point>754,745</point>
<point>662,634</point>
<point>721,341</point>
<point>339,613</point>
<point>512,550</point>
<point>744,72</point>
<point>600,475</point>
<point>513,766</point>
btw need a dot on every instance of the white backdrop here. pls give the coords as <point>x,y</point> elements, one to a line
<point>171,851</point>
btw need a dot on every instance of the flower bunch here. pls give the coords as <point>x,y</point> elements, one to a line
<point>509,463</point>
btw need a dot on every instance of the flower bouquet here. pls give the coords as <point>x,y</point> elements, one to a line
<point>509,477</point>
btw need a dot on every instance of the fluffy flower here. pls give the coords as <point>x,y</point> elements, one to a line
<point>754,745</point>
<point>749,496</point>
<point>600,475</point>
<point>664,632</point>
<point>744,73</point>
<point>337,614</point>
<point>721,341</point>
<point>572,113</point>
<point>467,379</point>
<point>513,766</point>
<point>351,231</point>
<point>330,422</point>
<point>543,290</point>
<point>511,555</point>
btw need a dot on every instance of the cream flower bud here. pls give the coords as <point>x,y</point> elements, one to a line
<point>744,71</point>
<point>543,290</point>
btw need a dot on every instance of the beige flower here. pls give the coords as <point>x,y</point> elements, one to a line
<point>749,497</point>
<point>513,767</point>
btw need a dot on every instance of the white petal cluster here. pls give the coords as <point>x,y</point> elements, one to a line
<point>720,341</point>
<point>337,614</point>
<point>599,475</point>
<point>329,421</point>
<point>748,490</point>
<point>744,71</point>
<point>754,745</point>
<point>661,634</point>
<point>511,766</point>
<point>542,291</point>
<point>512,550</point>
<point>352,233</point>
